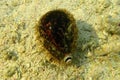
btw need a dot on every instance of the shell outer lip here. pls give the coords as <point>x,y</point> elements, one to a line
<point>68,59</point>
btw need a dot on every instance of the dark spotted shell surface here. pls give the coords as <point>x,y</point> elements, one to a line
<point>58,29</point>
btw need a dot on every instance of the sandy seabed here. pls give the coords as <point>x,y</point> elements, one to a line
<point>97,56</point>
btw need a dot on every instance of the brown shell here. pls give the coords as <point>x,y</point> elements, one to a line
<point>59,31</point>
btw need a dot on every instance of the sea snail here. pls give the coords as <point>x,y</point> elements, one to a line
<point>59,31</point>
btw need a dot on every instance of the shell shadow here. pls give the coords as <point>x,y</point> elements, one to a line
<point>87,42</point>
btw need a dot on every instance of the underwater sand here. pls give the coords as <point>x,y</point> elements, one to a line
<point>97,56</point>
